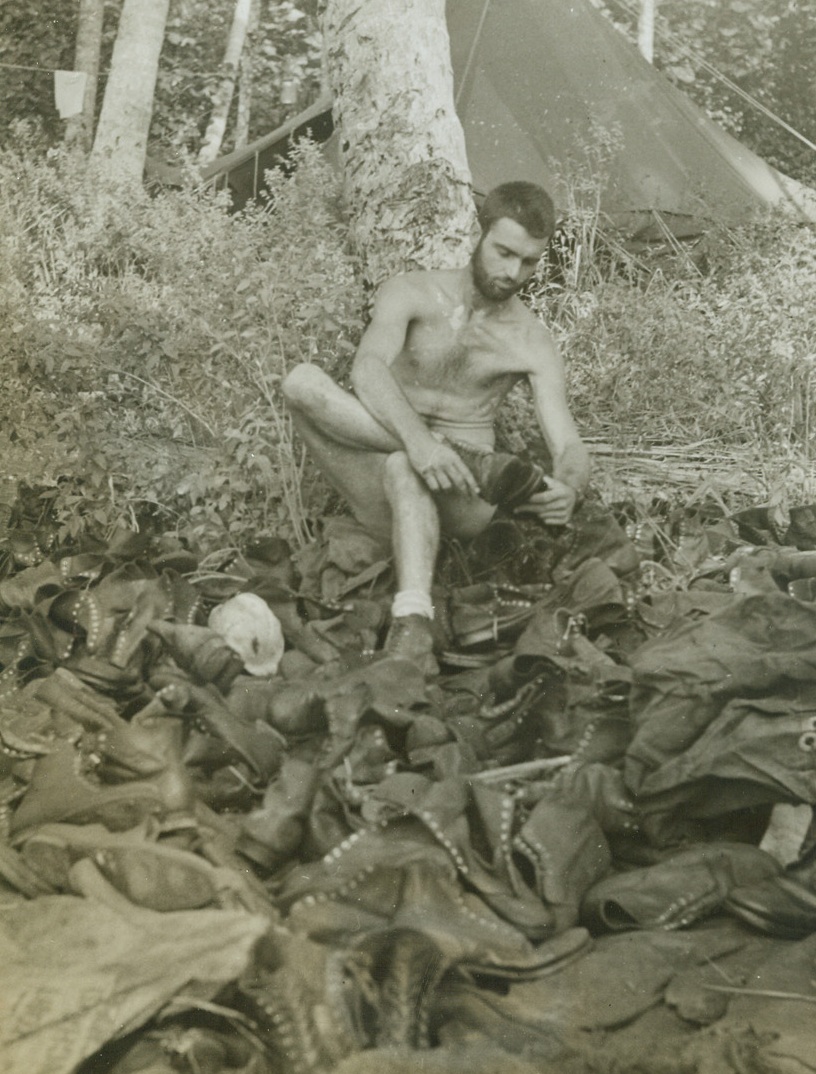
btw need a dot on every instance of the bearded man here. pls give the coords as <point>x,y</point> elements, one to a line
<point>412,451</point>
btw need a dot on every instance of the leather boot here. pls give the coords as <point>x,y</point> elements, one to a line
<point>502,478</point>
<point>271,834</point>
<point>59,792</point>
<point>201,652</point>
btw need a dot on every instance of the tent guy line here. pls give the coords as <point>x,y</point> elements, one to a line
<point>701,61</point>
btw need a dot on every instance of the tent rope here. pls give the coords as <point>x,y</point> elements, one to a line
<point>700,61</point>
<point>472,53</point>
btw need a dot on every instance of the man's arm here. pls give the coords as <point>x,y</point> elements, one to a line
<point>570,456</point>
<point>377,388</point>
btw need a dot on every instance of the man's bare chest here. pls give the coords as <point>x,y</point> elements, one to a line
<point>458,350</point>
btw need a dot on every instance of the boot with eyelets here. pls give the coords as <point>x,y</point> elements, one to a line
<point>411,637</point>
<point>675,893</point>
<point>60,791</point>
<point>310,999</point>
<point>503,479</point>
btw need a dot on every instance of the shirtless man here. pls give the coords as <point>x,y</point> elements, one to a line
<point>440,354</point>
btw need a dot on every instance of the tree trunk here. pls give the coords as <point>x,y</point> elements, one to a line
<point>245,83</point>
<point>405,170</point>
<point>214,135</point>
<point>121,136</point>
<point>646,21</point>
<point>79,129</point>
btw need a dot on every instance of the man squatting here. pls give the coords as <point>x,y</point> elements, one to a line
<point>410,452</point>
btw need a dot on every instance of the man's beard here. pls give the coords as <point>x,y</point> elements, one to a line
<point>488,286</point>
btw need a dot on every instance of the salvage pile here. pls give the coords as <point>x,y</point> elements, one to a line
<point>585,845</point>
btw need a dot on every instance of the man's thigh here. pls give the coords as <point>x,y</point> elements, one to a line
<point>358,477</point>
<point>462,516</point>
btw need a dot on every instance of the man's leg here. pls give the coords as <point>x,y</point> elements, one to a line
<point>365,465</point>
<point>415,524</point>
<point>415,541</point>
<point>312,396</point>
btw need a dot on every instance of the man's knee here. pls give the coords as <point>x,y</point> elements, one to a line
<point>301,387</point>
<point>463,517</point>
<point>399,476</point>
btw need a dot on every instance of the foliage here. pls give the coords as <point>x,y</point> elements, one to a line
<point>285,42</point>
<point>767,48</point>
<point>42,36</point>
<point>152,342</point>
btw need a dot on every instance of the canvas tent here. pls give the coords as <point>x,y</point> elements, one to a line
<point>546,89</point>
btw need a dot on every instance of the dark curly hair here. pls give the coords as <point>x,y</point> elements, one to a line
<point>526,203</point>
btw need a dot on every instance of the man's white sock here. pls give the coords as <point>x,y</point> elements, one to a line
<point>412,602</point>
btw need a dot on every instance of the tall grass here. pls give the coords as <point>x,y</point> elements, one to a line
<point>691,365</point>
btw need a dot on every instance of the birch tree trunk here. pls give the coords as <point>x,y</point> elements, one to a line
<point>121,136</point>
<point>646,21</point>
<point>246,78</point>
<point>79,129</point>
<point>405,172</point>
<point>214,135</point>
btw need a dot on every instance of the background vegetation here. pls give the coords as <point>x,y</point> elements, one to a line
<point>286,42</point>
<point>763,48</point>
<point>766,48</point>
<point>144,350</point>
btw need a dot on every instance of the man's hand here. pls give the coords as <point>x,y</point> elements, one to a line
<point>441,468</point>
<point>553,506</point>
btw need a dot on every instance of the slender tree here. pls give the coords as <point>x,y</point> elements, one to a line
<point>246,78</point>
<point>79,129</point>
<point>405,170</point>
<point>217,126</point>
<point>121,136</point>
<point>645,29</point>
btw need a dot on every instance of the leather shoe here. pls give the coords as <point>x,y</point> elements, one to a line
<point>779,907</point>
<point>675,893</point>
<point>411,637</point>
<point>59,792</point>
<point>503,479</point>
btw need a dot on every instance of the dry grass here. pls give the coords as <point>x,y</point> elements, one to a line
<point>690,378</point>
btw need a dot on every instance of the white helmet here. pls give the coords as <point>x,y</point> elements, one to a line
<point>250,627</point>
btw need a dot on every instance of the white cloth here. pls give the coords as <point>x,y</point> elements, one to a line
<point>69,92</point>
<point>412,602</point>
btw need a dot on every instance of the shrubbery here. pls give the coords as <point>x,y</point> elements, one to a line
<point>145,341</point>
<point>143,344</point>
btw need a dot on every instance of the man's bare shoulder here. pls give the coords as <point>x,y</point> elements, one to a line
<point>536,342</point>
<point>423,288</point>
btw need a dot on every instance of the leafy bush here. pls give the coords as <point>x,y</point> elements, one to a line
<point>151,337</point>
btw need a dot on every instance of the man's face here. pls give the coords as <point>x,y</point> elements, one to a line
<point>505,259</point>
